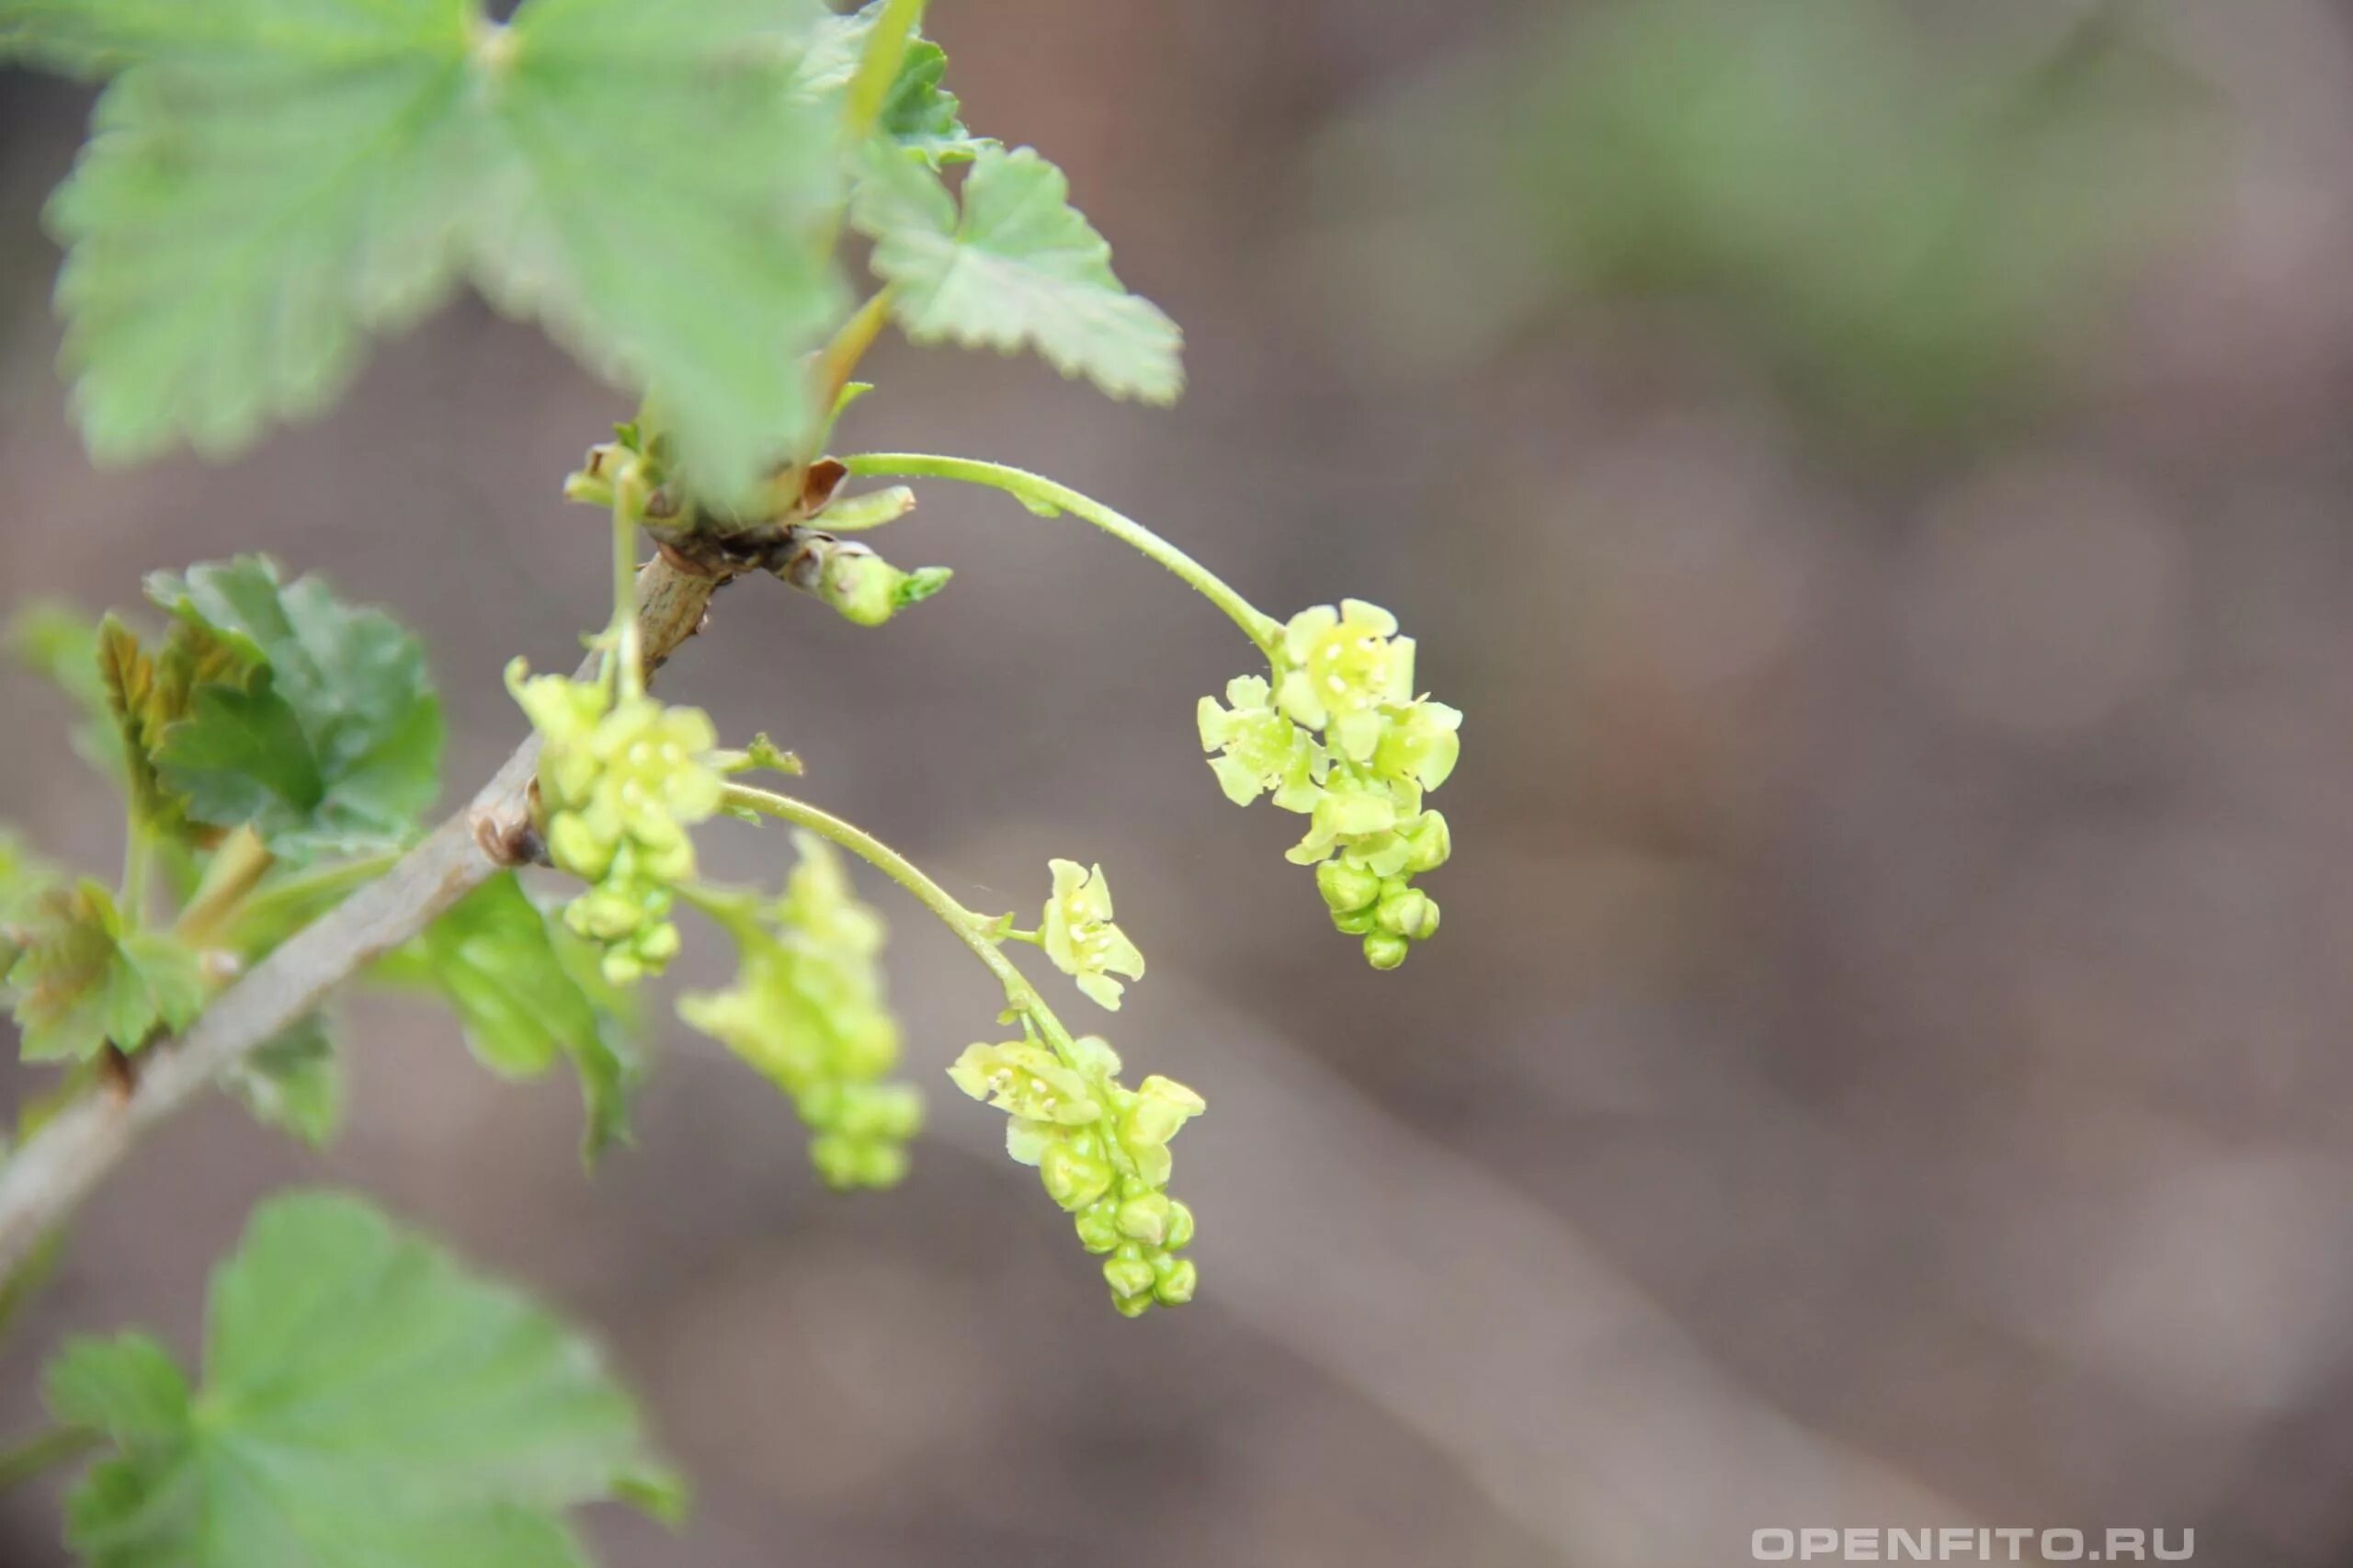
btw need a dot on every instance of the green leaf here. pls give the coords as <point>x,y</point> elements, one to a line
<point>295,1082</point>
<point>146,693</point>
<point>84,981</point>
<point>271,181</point>
<point>25,879</point>
<point>62,645</point>
<point>522,1000</point>
<point>916,112</point>
<point>365,1402</point>
<point>333,742</point>
<point>128,1388</point>
<point>1017,268</point>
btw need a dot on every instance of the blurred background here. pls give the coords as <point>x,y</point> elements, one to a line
<point>1875,475</point>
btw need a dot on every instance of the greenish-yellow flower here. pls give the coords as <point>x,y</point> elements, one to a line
<point>1080,937</point>
<point>1339,667</point>
<point>1263,749</point>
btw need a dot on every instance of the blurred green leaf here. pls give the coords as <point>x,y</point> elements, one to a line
<point>1017,268</point>
<point>917,112</point>
<point>86,978</point>
<point>270,181</point>
<point>365,1402</point>
<point>501,962</point>
<point>333,742</point>
<point>128,1388</point>
<point>294,1082</point>
<point>62,644</point>
<point>147,693</point>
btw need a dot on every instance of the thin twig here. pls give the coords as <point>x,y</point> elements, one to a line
<point>44,1180</point>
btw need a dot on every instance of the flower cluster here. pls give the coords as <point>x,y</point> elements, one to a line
<point>1101,1149</point>
<point>1078,935</point>
<point>620,781</point>
<point>807,1011</point>
<point>1339,736</point>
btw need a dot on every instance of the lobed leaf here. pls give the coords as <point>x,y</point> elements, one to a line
<point>269,182</point>
<point>1017,267</point>
<point>331,745</point>
<point>917,112</point>
<point>83,981</point>
<point>365,1402</point>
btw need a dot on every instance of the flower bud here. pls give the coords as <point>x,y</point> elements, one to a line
<point>1127,1272</point>
<point>605,914</point>
<point>1098,1226</point>
<point>1073,1179</point>
<point>1173,1279</point>
<point>1384,949</point>
<point>1146,1219</point>
<point>1180,1227</point>
<point>1345,888</point>
<point>576,848</point>
<point>657,945</point>
<point>1409,913</point>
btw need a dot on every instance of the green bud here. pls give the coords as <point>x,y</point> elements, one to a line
<point>1132,1306</point>
<point>1146,1219</point>
<point>1356,923</point>
<point>657,945</point>
<point>1409,913</point>
<point>1173,1279</point>
<point>1180,1227</point>
<point>1073,1179</point>
<point>1098,1226</point>
<point>574,847</point>
<point>881,1163</point>
<point>605,914</point>
<point>1384,949</point>
<point>1127,1272</point>
<point>1345,888</point>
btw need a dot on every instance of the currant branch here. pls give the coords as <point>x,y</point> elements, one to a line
<point>45,1179</point>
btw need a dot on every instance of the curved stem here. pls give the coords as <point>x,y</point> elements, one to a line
<point>1042,494</point>
<point>975,931</point>
<point>58,1446</point>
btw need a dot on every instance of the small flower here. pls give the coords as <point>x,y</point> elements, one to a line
<point>1264,748</point>
<point>1108,1167</point>
<point>619,784</point>
<point>1025,1079</point>
<point>1347,673</point>
<point>1418,741</point>
<point>1339,667</point>
<point>808,1013</point>
<point>1354,805</point>
<point>1080,937</point>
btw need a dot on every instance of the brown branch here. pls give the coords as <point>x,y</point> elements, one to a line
<point>43,1181</point>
